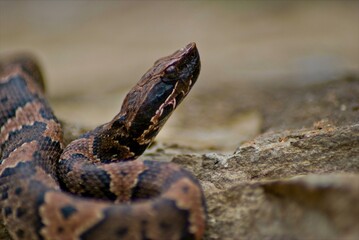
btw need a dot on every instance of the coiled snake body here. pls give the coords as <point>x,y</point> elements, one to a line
<point>95,188</point>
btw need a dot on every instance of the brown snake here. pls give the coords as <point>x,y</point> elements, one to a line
<point>95,188</point>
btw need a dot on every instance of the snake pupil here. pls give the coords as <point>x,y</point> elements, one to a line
<point>170,73</point>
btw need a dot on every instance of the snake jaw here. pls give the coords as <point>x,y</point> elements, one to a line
<point>173,103</point>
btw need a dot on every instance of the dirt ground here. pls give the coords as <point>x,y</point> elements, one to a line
<point>271,127</point>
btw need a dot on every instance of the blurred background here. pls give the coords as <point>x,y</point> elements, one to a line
<point>93,52</point>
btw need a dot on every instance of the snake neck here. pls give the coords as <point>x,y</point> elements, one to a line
<point>145,108</point>
<point>113,142</point>
<point>121,139</point>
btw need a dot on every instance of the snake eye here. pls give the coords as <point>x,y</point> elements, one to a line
<point>170,73</point>
<point>170,69</point>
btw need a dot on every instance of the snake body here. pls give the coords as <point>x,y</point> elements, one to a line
<point>95,188</point>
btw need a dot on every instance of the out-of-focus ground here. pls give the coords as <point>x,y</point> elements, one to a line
<point>277,99</point>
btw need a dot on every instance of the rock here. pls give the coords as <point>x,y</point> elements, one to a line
<point>289,153</point>
<point>299,178</point>
<point>307,207</point>
<point>252,206</point>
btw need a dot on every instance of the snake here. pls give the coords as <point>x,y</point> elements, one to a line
<point>96,187</point>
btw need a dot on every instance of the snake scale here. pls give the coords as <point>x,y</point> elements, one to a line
<point>95,188</point>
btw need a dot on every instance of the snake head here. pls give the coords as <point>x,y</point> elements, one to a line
<point>161,89</point>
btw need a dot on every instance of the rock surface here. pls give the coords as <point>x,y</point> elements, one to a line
<point>298,179</point>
